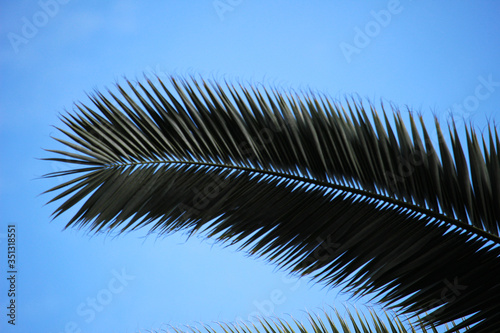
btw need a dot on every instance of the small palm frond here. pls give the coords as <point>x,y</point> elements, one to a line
<point>311,185</point>
<point>326,323</point>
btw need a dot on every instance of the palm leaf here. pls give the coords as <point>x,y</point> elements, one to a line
<point>324,323</point>
<point>314,186</point>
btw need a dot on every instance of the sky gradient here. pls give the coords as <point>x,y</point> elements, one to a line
<point>432,58</point>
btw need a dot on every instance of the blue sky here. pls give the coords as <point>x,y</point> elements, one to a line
<point>431,57</point>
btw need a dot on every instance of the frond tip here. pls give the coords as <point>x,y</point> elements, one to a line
<point>315,186</point>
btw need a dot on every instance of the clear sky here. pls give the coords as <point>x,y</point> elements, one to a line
<point>430,56</point>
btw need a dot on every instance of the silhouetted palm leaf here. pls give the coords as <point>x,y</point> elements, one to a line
<point>326,323</point>
<point>314,186</point>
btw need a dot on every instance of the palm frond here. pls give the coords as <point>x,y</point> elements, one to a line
<point>350,322</point>
<point>314,186</point>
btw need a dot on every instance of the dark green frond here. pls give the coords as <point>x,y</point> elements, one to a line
<point>316,187</point>
<point>325,323</point>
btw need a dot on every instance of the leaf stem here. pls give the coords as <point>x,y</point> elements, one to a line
<point>456,223</point>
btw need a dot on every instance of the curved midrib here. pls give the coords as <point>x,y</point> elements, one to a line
<point>364,193</point>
